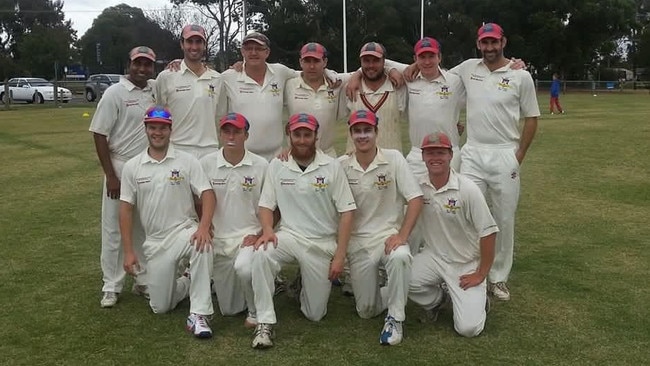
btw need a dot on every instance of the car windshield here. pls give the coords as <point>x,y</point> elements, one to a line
<point>39,82</point>
<point>114,78</point>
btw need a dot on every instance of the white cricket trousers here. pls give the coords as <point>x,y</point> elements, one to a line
<point>111,257</point>
<point>495,170</point>
<point>364,270</point>
<point>314,259</point>
<point>165,289</point>
<point>232,277</point>
<point>414,159</point>
<point>468,305</point>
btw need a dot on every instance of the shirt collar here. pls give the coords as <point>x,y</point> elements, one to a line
<point>171,154</point>
<point>130,86</point>
<point>379,159</point>
<point>387,86</point>
<point>245,78</point>
<point>303,84</point>
<point>222,162</point>
<point>208,74</point>
<point>452,184</point>
<point>501,69</point>
<point>441,78</point>
<point>319,160</point>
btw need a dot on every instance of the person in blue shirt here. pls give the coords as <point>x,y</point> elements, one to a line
<point>555,95</point>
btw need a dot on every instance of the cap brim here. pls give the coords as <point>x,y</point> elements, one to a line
<point>494,35</point>
<point>145,55</point>
<point>372,53</point>
<point>298,125</point>
<point>158,120</point>
<point>427,49</point>
<point>363,120</point>
<point>317,55</point>
<point>194,33</point>
<point>233,123</point>
<point>258,41</point>
<point>432,146</point>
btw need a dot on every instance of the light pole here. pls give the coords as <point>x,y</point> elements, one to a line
<point>421,19</point>
<point>243,17</point>
<point>345,39</point>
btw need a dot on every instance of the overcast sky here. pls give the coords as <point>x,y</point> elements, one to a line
<point>83,12</point>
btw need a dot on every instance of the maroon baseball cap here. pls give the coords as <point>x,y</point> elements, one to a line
<point>258,38</point>
<point>363,116</point>
<point>193,30</point>
<point>373,49</point>
<point>142,51</point>
<point>490,30</point>
<point>313,49</point>
<point>158,114</point>
<point>303,120</point>
<point>236,120</point>
<point>436,139</point>
<point>426,44</point>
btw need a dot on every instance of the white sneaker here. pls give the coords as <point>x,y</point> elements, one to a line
<point>263,336</point>
<point>198,324</point>
<point>251,320</point>
<point>500,291</point>
<point>109,299</point>
<point>392,333</point>
<point>140,290</point>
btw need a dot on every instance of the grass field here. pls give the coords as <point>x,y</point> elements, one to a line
<point>579,284</point>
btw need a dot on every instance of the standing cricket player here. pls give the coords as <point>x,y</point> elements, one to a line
<point>159,182</point>
<point>459,234</point>
<point>497,96</point>
<point>312,193</point>
<point>236,176</point>
<point>119,136</point>
<point>381,184</point>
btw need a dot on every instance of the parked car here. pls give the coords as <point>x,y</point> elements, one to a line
<point>34,90</point>
<point>97,84</point>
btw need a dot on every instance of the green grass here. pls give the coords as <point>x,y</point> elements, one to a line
<point>579,283</point>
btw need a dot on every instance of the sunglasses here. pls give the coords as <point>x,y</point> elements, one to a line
<point>158,112</point>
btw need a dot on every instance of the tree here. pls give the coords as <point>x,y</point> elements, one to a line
<point>105,46</point>
<point>35,35</point>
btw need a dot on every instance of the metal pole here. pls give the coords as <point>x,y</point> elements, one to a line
<point>421,19</point>
<point>243,16</point>
<point>345,39</point>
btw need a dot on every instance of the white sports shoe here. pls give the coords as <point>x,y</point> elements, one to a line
<point>500,291</point>
<point>263,336</point>
<point>198,324</point>
<point>392,333</point>
<point>251,320</point>
<point>109,299</point>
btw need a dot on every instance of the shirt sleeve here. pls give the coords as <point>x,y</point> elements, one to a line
<point>198,180</point>
<point>341,192</point>
<point>159,89</point>
<point>128,191</point>
<point>407,185</point>
<point>390,64</point>
<point>268,198</point>
<point>528,96</point>
<point>479,212</point>
<point>106,115</point>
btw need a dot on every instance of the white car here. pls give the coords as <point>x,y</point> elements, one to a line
<point>34,90</point>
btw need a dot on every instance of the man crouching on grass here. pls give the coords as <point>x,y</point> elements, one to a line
<point>160,182</point>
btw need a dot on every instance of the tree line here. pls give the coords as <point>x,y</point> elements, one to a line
<point>572,37</point>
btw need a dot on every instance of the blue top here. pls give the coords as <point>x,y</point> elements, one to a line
<point>555,88</point>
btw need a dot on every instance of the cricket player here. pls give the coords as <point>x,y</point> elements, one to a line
<point>236,176</point>
<point>312,193</point>
<point>459,234</point>
<point>497,97</point>
<point>194,95</point>
<point>381,183</point>
<point>119,136</point>
<point>160,182</point>
<point>378,95</point>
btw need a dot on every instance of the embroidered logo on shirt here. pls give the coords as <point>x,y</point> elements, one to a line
<point>287,182</point>
<point>211,92</point>
<point>444,92</point>
<point>382,182</point>
<point>504,85</point>
<point>248,184</point>
<point>320,184</point>
<point>143,180</point>
<point>330,95</point>
<point>452,206</point>
<point>218,181</point>
<point>176,178</point>
<point>183,88</point>
<point>275,90</point>
<point>476,77</point>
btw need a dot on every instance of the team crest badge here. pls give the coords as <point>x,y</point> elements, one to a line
<point>175,178</point>
<point>382,182</point>
<point>452,206</point>
<point>320,184</point>
<point>330,95</point>
<point>275,90</point>
<point>444,92</point>
<point>504,85</point>
<point>211,90</point>
<point>248,184</point>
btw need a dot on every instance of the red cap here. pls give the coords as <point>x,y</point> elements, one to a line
<point>193,30</point>
<point>303,120</point>
<point>236,120</point>
<point>426,44</point>
<point>373,49</point>
<point>436,139</point>
<point>158,114</point>
<point>313,49</point>
<point>363,116</point>
<point>490,30</point>
<point>142,51</point>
